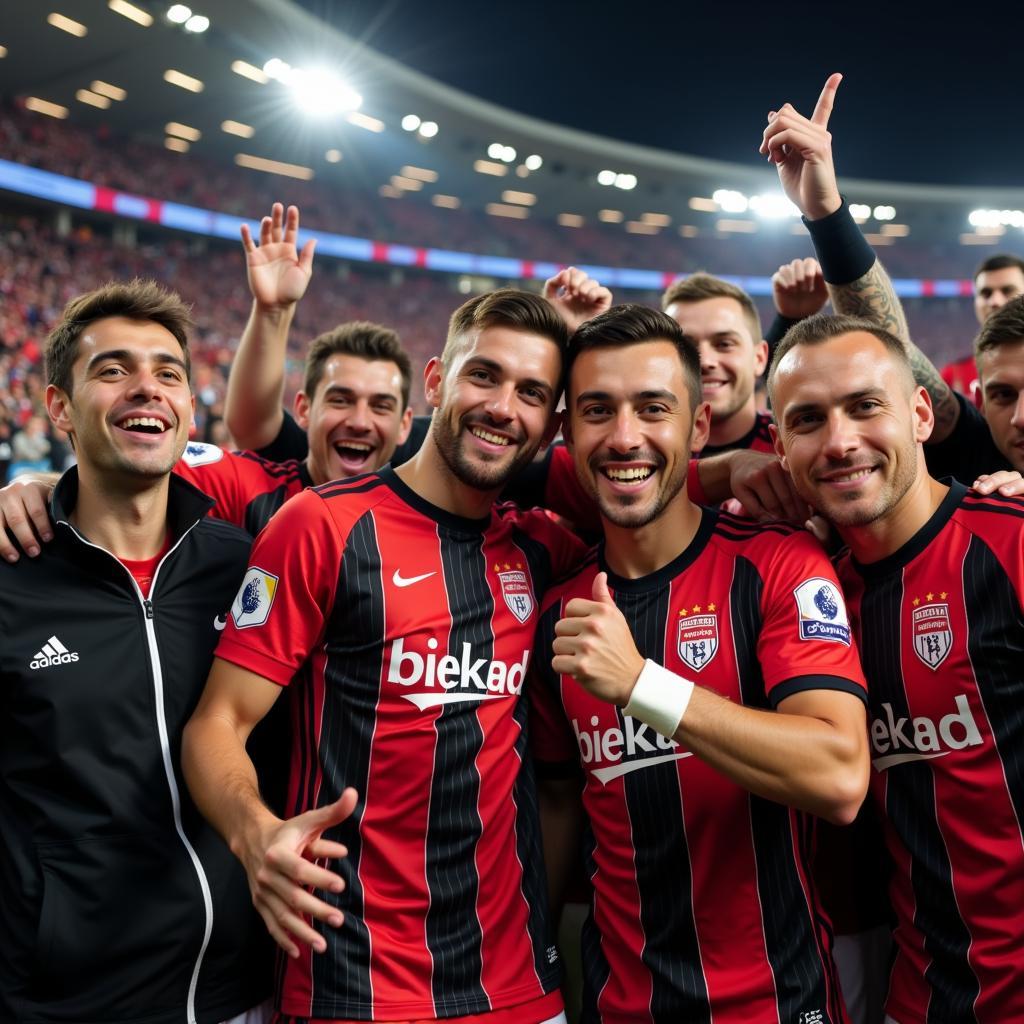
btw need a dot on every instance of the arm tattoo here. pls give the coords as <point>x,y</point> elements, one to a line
<point>874,298</point>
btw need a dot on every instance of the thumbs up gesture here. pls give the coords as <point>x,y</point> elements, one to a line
<point>593,644</point>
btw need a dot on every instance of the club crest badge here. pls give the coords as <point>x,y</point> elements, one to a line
<point>932,632</point>
<point>516,589</point>
<point>697,640</point>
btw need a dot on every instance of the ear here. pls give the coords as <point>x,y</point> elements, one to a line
<point>403,434</point>
<point>701,428</point>
<point>58,408</point>
<point>923,415</point>
<point>302,405</point>
<point>433,380</point>
<point>777,443</point>
<point>760,357</point>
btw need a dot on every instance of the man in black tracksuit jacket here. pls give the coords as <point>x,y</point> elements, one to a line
<point>120,903</point>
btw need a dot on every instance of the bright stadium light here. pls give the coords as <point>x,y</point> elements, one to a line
<point>534,162</point>
<point>885,212</point>
<point>606,178</point>
<point>179,14</point>
<point>773,206</point>
<point>509,155</point>
<point>730,201</point>
<point>428,129</point>
<point>197,23</point>
<point>860,212</point>
<point>625,181</point>
<point>410,122</point>
<point>279,70</point>
<point>321,93</point>
<point>495,150</point>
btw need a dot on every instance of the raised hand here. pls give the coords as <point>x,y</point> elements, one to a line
<point>593,644</point>
<point>801,149</point>
<point>576,297</point>
<point>282,872</point>
<point>278,273</point>
<point>798,289</point>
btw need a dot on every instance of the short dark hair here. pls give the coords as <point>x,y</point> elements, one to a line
<point>134,300</point>
<point>1001,261</point>
<point>699,287</point>
<point>506,307</point>
<point>1003,327</point>
<point>824,327</point>
<point>361,339</point>
<point>633,324</point>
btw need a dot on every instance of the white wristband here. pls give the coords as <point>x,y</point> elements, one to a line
<point>659,698</point>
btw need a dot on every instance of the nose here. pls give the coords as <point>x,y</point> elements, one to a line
<point>145,384</point>
<point>625,435</point>
<point>359,417</point>
<point>708,357</point>
<point>840,437</point>
<point>500,400</point>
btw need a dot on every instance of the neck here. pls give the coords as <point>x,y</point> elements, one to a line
<point>128,521</point>
<point>636,552</point>
<point>890,532</point>
<point>730,429</point>
<point>431,478</point>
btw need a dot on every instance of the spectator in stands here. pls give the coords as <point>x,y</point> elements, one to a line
<point>30,448</point>
<point>998,280</point>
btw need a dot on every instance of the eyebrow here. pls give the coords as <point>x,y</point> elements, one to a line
<point>341,389</point>
<point>644,396</point>
<point>123,355</point>
<point>853,396</point>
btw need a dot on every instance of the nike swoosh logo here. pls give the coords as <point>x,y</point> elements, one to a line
<point>400,581</point>
<point>219,622</point>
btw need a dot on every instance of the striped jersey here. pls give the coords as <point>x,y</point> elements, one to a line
<point>942,635</point>
<point>703,908</point>
<point>409,631</point>
<point>247,489</point>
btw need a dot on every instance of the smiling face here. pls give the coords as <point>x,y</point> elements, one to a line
<point>631,429</point>
<point>130,405</point>
<point>355,419</point>
<point>494,404</point>
<point>1001,372</point>
<point>731,359</point>
<point>850,427</point>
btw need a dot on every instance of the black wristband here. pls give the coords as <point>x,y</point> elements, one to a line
<point>842,251</point>
<point>777,331</point>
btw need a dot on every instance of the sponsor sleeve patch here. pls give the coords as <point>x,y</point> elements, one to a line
<point>198,453</point>
<point>821,611</point>
<point>254,599</point>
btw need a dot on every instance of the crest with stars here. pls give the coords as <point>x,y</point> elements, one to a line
<point>697,639</point>
<point>516,588</point>
<point>931,629</point>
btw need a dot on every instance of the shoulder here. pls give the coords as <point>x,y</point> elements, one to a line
<point>996,521</point>
<point>750,536</point>
<point>575,584</point>
<point>218,535</point>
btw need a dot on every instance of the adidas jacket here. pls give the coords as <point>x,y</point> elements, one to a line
<point>119,902</point>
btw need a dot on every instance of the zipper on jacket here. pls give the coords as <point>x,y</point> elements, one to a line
<point>165,749</point>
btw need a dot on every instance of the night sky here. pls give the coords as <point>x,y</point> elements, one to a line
<point>927,96</point>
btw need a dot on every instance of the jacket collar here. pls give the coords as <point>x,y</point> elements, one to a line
<point>186,504</point>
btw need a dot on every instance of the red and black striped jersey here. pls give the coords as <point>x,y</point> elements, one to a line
<point>942,635</point>
<point>757,439</point>
<point>703,909</point>
<point>411,631</point>
<point>247,489</point>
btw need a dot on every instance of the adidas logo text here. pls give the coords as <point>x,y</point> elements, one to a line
<point>53,653</point>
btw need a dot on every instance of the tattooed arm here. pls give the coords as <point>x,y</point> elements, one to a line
<point>873,297</point>
<point>801,149</point>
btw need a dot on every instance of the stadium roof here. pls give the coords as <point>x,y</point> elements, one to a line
<point>50,60</point>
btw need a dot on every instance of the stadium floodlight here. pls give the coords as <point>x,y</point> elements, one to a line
<point>884,212</point>
<point>606,177</point>
<point>66,24</point>
<point>178,14</point>
<point>495,150</point>
<point>197,23</point>
<point>730,201</point>
<point>319,92</point>
<point>860,212</point>
<point>625,181</point>
<point>509,155</point>
<point>428,129</point>
<point>534,162</point>
<point>279,70</point>
<point>773,206</point>
<point>130,11</point>
<point>411,122</point>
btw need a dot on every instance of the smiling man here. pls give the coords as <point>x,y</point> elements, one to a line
<point>406,602</point>
<point>120,903</point>
<point>935,580</point>
<point>704,678</point>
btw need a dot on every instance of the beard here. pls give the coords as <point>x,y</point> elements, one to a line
<point>483,473</point>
